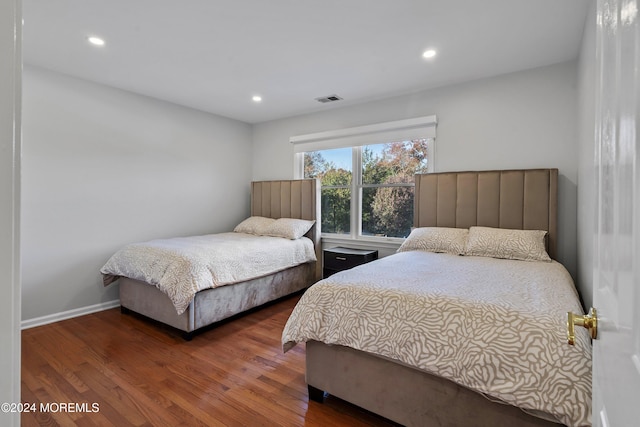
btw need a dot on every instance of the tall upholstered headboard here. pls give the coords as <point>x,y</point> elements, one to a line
<point>524,199</point>
<point>297,198</point>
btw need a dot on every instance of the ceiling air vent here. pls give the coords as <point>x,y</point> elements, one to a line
<point>330,98</point>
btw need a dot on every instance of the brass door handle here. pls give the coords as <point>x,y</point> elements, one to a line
<point>589,321</point>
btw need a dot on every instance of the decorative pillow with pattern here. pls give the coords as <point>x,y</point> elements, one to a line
<point>436,239</point>
<point>254,225</point>
<point>289,228</point>
<point>525,245</point>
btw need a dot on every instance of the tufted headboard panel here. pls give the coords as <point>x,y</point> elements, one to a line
<point>296,198</point>
<point>524,199</point>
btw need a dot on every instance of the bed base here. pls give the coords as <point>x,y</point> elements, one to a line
<point>213,305</point>
<point>403,394</point>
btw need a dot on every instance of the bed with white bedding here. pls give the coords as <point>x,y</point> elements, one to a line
<point>466,324</point>
<point>183,266</point>
<point>191,282</point>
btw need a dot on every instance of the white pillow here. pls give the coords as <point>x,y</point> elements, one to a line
<point>254,225</point>
<point>289,228</point>
<point>436,239</point>
<point>525,245</point>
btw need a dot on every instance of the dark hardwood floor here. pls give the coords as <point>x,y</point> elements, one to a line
<point>141,373</point>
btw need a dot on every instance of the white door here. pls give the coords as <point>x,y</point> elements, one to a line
<point>10,89</point>
<point>616,293</point>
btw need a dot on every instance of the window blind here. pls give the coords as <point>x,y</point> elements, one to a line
<point>400,130</point>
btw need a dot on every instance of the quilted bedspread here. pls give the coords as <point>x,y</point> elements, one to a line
<point>180,267</point>
<point>495,326</point>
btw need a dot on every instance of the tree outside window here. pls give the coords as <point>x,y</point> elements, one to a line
<point>384,186</point>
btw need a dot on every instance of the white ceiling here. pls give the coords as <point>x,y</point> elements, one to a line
<point>214,55</point>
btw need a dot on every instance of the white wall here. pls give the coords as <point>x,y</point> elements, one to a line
<point>586,163</point>
<point>520,120</point>
<point>104,167</point>
<point>10,86</point>
<point>89,150</point>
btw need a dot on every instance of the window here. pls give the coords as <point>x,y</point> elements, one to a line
<point>367,188</point>
<point>383,188</point>
<point>334,168</point>
<point>387,186</point>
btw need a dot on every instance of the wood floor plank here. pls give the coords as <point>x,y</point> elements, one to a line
<point>141,373</point>
<point>110,397</point>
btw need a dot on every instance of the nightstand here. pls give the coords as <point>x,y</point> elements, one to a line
<point>339,258</point>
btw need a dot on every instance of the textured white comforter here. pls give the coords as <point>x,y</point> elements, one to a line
<point>180,267</point>
<point>495,326</point>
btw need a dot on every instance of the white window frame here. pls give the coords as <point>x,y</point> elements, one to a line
<point>356,137</point>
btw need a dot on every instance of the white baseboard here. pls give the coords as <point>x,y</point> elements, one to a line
<point>56,317</point>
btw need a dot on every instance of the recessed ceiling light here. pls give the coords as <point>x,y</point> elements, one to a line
<point>96,41</point>
<point>429,53</point>
<point>256,98</point>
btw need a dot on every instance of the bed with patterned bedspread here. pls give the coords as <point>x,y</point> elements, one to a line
<point>495,326</point>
